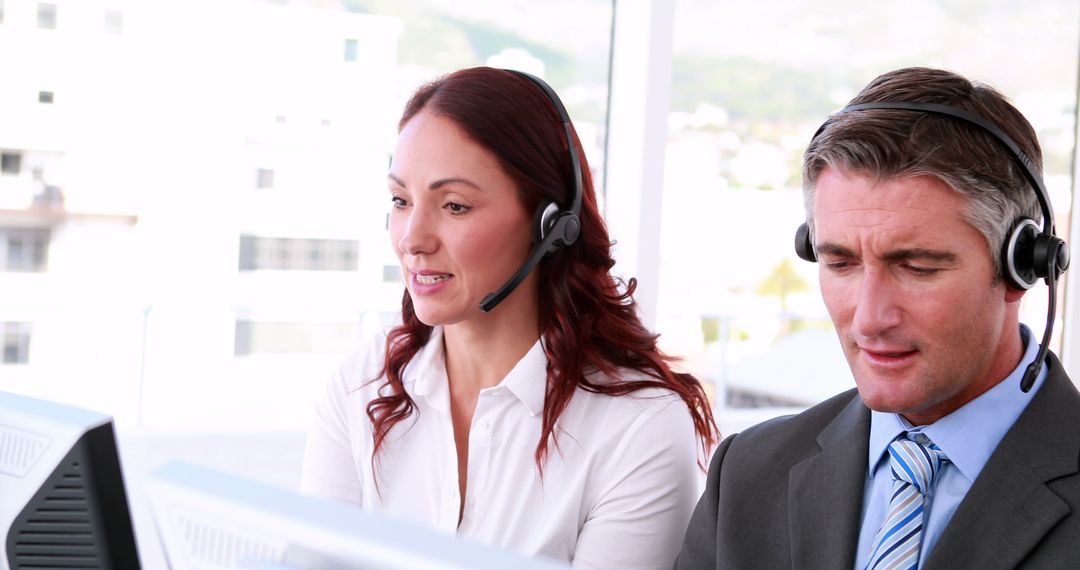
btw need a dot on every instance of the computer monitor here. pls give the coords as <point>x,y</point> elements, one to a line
<point>62,498</point>
<point>208,519</point>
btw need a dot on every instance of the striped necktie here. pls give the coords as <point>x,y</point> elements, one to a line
<point>915,465</point>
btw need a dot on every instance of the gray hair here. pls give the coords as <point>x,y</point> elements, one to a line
<point>887,144</point>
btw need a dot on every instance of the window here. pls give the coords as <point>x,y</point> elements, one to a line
<point>264,178</point>
<point>26,249</point>
<point>114,22</point>
<point>10,163</point>
<point>348,253</point>
<point>391,274</point>
<point>46,16</point>
<point>247,253</point>
<point>16,339</point>
<point>297,254</point>
<point>351,48</point>
<point>257,337</point>
<point>45,97</point>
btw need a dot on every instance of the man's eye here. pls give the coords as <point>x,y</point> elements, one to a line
<point>918,270</point>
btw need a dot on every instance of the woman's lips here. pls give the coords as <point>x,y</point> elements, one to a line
<point>429,282</point>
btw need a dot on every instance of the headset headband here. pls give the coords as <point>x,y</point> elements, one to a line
<point>567,224</point>
<point>564,117</point>
<point>1027,167</point>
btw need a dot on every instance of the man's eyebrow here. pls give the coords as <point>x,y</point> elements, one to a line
<point>895,255</point>
<point>833,249</point>
<point>439,183</point>
<point>921,253</point>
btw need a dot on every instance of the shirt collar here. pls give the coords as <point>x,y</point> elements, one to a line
<point>968,435</point>
<point>527,381</point>
<point>427,372</point>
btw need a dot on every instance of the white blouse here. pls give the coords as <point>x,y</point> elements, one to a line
<point>616,492</point>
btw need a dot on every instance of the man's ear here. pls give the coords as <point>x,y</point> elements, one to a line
<point>1012,294</point>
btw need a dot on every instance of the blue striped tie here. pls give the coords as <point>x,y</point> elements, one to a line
<point>914,468</point>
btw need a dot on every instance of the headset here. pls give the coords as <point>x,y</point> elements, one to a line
<point>553,227</point>
<point>1028,253</point>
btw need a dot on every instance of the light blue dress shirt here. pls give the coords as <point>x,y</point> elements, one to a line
<point>968,436</point>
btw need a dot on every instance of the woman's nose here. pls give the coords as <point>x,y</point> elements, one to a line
<point>417,235</point>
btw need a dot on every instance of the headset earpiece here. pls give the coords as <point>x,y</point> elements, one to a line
<point>1052,254</point>
<point>544,219</point>
<point>555,229</point>
<point>804,246</point>
<point>1030,255</point>
<point>1018,255</point>
<point>565,230</point>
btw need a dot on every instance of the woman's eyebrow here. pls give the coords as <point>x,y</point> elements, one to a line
<point>439,183</point>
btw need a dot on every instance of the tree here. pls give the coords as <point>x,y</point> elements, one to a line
<point>782,281</point>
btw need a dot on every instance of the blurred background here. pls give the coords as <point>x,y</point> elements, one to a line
<point>193,204</point>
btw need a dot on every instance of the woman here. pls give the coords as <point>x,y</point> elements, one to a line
<point>549,423</point>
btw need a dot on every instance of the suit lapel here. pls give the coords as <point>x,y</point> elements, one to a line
<point>1009,507</point>
<point>825,493</point>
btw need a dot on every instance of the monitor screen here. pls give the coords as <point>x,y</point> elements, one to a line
<point>208,519</point>
<point>62,497</point>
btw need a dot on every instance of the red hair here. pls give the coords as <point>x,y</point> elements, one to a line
<point>588,321</point>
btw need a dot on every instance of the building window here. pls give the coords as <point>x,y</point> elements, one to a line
<point>351,49</point>
<point>297,254</point>
<point>258,337</point>
<point>26,250</point>
<point>248,246</point>
<point>114,22</point>
<point>349,253</point>
<point>45,97</point>
<point>10,163</point>
<point>315,249</point>
<point>16,337</point>
<point>264,178</point>
<point>46,16</point>
<point>391,274</point>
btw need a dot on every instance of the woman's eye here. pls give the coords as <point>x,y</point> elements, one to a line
<point>398,201</point>
<point>456,208</point>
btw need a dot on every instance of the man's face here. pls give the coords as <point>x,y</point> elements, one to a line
<point>910,287</point>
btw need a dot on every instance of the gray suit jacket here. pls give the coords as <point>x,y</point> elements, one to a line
<point>788,493</point>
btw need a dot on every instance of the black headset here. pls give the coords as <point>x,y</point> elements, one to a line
<point>1028,253</point>
<point>554,227</point>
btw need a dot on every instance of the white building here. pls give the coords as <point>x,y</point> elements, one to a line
<point>192,204</point>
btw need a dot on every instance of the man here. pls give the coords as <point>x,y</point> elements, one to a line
<point>918,216</point>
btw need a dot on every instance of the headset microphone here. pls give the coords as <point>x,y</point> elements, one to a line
<point>1028,254</point>
<point>554,228</point>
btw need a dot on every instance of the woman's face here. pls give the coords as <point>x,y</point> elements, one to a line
<point>457,222</point>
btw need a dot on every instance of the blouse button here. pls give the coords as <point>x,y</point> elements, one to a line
<point>482,424</point>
